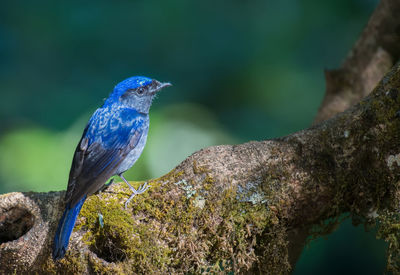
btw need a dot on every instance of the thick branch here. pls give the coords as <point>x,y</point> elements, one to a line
<point>372,56</point>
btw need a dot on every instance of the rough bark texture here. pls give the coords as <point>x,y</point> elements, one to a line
<point>371,57</point>
<point>248,207</point>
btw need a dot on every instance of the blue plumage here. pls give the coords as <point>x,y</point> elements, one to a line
<point>64,230</point>
<point>130,83</point>
<point>111,143</point>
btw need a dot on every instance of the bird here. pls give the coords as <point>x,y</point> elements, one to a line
<point>111,143</point>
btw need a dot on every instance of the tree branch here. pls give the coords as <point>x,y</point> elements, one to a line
<point>371,57</point>
<point>239,207</point>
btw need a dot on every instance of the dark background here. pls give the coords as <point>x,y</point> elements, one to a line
<point>242,70</point>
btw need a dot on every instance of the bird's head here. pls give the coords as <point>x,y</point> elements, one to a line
<point>136,92</point>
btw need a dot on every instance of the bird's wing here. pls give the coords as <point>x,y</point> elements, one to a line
<point>106,141</point>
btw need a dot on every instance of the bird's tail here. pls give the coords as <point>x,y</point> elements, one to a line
<point>64,229</point>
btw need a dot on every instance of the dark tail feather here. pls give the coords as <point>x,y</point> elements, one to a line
<point>64,229</point>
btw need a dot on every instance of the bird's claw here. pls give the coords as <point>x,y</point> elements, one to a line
<point>142,188</point>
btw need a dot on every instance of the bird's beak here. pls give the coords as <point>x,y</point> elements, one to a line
<point>157,86</point>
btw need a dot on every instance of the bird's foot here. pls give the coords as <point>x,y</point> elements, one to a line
<point>142,188</point>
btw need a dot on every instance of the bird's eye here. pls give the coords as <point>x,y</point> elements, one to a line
<point>140,91</point>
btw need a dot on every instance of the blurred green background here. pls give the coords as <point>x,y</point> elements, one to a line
<point>242,70</point>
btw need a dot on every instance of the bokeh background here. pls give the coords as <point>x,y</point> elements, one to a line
<point>242,70</point>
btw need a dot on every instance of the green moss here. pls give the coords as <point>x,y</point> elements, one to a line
<point>219,236</point>
<point>166,231</point>
<point>199,169</point>
<point>361,186</point>
<point>48,267</point>
<point>389,230</point>
<point>73,263</point>
<point>122,240</point>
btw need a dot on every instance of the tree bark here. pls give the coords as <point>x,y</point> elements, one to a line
<point>371,57</point>
<point>245,208</point>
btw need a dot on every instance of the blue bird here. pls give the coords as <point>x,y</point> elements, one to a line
<point>111,143</point>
